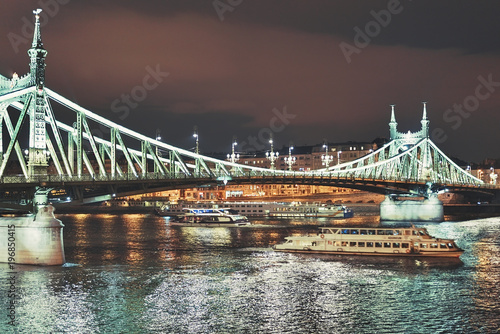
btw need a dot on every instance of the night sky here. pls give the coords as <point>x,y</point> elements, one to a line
<point>303,70</point>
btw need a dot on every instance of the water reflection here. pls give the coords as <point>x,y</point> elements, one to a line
<point>139,274</point>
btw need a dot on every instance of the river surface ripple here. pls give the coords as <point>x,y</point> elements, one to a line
<point>134,273</point>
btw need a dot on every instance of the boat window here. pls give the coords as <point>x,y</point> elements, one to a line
<point>421,232</point>
<point>407,232</point>
<point>415,232</point>
<point>369,244</point>
<point>395,245</point>
<point>405,245</point>
<point>362,232</point>
<point>387,245</point>
<point>354,231</point>
<point>345,231</point>
<point>352,244</point>
<point>344,243</point>
<point>443,246</point>
<point>371,232</point>
<point>423,245</point>
<point>327,231</point>
<point>397,232</point>
<point>434,245</point>
<point>361,244</point>
<point>380,232</point>
<point>450,245</point>
<point>378,244</point>
<point>389,232</point>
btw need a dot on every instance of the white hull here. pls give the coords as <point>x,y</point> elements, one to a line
<point>371,253</point>
<point>209,224</point>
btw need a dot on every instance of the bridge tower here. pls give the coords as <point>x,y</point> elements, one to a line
<point>39,235</point>
<point>37,151</point>
<point>428,209</point>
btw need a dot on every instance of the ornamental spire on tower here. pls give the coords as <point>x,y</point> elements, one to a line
<point>393,124</point>
<point>37,160</point>
<point>424,116</point>
<point>37,53</point>
<point>37,37</point>
<point>425,121</point>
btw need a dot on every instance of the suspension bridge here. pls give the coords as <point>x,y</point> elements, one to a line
<point>42,153</point>
<point>45,153</point>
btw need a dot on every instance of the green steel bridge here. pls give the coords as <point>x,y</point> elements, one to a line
<point>69,155</point>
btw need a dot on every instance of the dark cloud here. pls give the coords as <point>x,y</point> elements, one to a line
<point>228,76</point>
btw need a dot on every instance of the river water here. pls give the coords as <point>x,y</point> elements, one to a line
<point>134,273</point>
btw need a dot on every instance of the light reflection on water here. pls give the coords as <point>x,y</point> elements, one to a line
<point>138,274</point>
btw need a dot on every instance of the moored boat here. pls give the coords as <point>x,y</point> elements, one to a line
<point>222,217</point>
<point>405,241</point>
<point>266,209</point>
<point>311,210</point>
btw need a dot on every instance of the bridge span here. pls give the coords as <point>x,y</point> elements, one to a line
<point>70,156</point>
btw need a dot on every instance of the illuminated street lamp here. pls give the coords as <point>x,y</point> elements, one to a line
<point>493,176</point>
<point>272,156</point>
<point>195,135</point>
<point>290,160</point>
<point>338,157</point>
<point>233,157</point>
<point>326,158</point>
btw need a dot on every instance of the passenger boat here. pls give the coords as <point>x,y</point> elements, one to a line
<point>407,241</point>
<point>311,210</point>
<point>223,217</point>
<point>269,209</point>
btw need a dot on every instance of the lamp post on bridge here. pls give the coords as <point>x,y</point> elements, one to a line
<point>338,157</point>
<point>195,135</point>
<point>290,160</point>
<point>326,158</point>
<point>233,157</point>
<point>272,156</point>
<point>493,176</point>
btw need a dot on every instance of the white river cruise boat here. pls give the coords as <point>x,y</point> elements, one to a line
<point>222,217</point>
<point>266,209</point>
<point>407,241</point>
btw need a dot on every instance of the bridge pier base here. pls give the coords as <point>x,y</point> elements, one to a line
<point>35,239</point>
<point>395,209</point>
